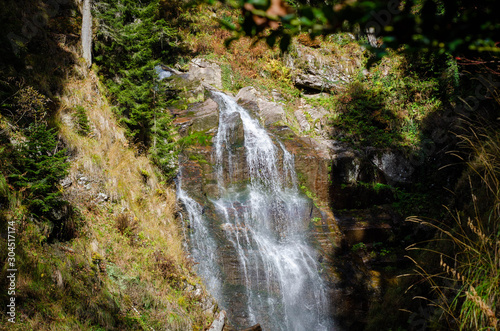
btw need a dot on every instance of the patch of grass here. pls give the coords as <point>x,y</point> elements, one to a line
<point>316,220</point>
<point>198,158</point>
<point>196,138</point>
<point>126,224</point>
<point>361,246</point>
<point>98,280</point>
<point>465,268</point>
<point>385,106</point>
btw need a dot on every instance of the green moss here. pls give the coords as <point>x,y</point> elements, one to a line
<point>200,138</point>
<point>200,158</point>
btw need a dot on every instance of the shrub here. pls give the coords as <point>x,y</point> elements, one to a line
<point>31,104</point>
<point>37,166</point>
<point>196,138</point>
<point>467,281</point>
<point>164,148</point>
<point>82,121</point>
<point>126,224</point>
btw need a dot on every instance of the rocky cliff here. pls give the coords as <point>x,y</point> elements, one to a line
<point>343,213</point>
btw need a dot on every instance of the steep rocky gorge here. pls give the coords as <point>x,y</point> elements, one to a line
<point>243,187</point>
<point>342,214</point>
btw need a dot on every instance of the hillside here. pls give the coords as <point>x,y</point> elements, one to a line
<point>108,253</point>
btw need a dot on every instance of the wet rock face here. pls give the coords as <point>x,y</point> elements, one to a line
<point>206,116</point>
<point>311,166</point>
<point>237,164</point>
<point>200,178</point>
<point>328,171</point>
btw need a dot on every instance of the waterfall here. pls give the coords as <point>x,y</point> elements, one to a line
<point>254,254</point>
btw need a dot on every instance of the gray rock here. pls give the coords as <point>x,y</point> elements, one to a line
<point>347,165</point>
<point>218,323</point>
<point>301,118</point>
<point>277,97</point>
<point>372,37</point>
<point>206,116</point>
<point>58,280</point>
<point>67,120</point>
<point>351,166</point>
<point>66,182</point>
<point>163,72</point>
<point>268,112</point>
<point>83,180</point>
<point>315,82</point>
<point>102,197</point>
<point>312,118</point>
<point>311,69</point>
<point>205,71</point>
<point>395,167</point>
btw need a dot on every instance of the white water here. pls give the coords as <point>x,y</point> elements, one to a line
<point>265,225</point>
<point>205,248</point>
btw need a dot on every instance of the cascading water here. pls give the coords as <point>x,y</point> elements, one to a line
<point>262,223</point>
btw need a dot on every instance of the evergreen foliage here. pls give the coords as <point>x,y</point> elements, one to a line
<point>37,166</point>
<point>164,149</point>
<point>132,39</point>
<point>82,121</point>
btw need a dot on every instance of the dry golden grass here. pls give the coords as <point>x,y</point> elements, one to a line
<point>143,270</point>
<point>105,155</point>
<point>468,288</point>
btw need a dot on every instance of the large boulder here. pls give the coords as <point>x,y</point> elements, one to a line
<point>371,165</point>
<point>190,88</point>
<point>205,71</point>
<point>312,70</point>
<point>268,112</point>
<point>201,116</point>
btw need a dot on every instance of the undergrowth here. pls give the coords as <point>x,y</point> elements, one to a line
<point>124,267</point>
<point>466,284</point>
<point>387,106</point>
